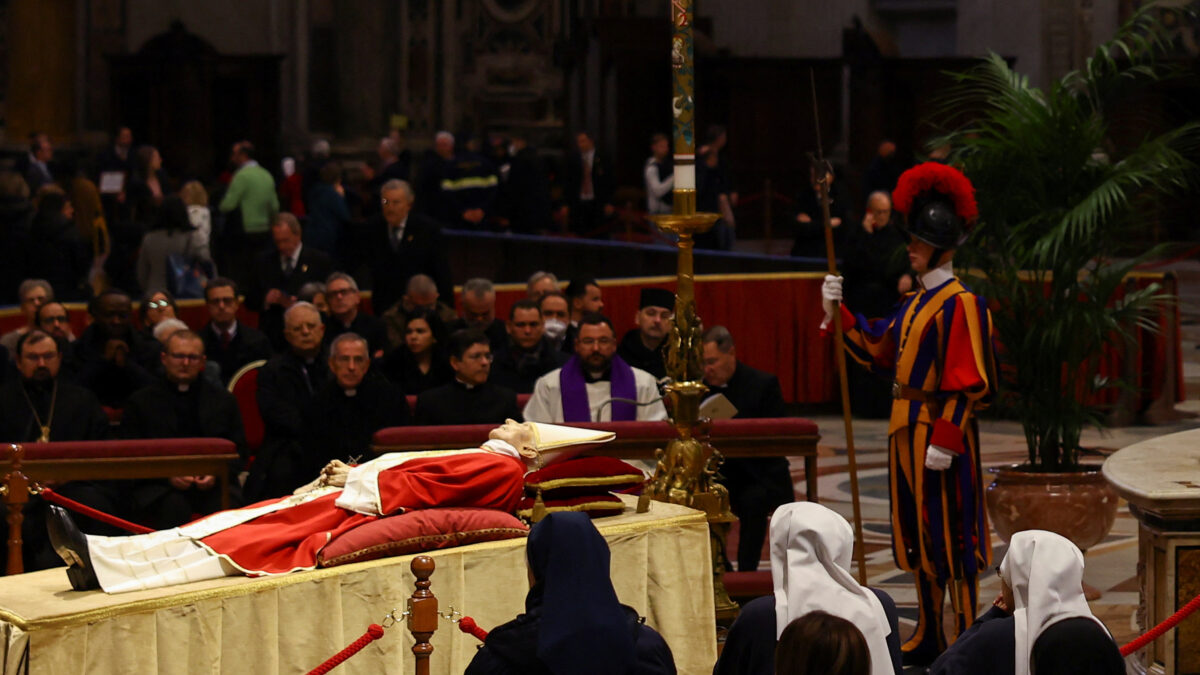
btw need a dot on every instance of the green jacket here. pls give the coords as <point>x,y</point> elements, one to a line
<point>253,191</point>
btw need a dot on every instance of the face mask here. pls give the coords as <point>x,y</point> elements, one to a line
<point>555,328</point>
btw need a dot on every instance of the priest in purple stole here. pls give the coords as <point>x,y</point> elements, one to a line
<point>595,385</point>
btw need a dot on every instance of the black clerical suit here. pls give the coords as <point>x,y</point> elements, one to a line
<point>756,484</point>
<point>164,410</point>
<point>370,328</point>
<point>421,249</point>
<point>245,346</point>
<point>112,384</point>
<point>519,370</point>
<point>458,403</point>
<point>342,425</point>
<point>287,394</point>
<point>635,353</point>
<point>77,416</point>
<point>311,265</point>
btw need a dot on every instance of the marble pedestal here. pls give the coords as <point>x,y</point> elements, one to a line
<point>1160,478</point>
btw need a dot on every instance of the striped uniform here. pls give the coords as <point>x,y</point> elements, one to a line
<point>939,342</point>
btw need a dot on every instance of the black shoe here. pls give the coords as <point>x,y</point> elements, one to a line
<point>70,545</point>
<point>924,655</point>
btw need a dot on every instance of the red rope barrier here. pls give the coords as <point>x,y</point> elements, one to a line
<point>1156,632</point>
<point>68,503</point>
<point>374,632</point>
<point>468,626</point>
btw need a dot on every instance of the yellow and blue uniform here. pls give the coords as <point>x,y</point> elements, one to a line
<point>937,349</point>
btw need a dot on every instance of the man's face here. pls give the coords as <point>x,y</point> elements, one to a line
<point>125,137</point>
<point>36,297</point>
<point>343,299</point>
<point>444,146</point>
<point>183,359</point>
<point>584,142</point>
<point>320,303</point>
<point>595,346</point>
<point>525,328</point>
<point>286,241</point>
<point>420,301</point>
<point>718,365</point>
<point>45,150</point>
<point>475,364</point>
<point>659,148</point>
<point>880,208</point>
<point>349,362</point>
<point>919,254</point>
<point>590,301</point>
<point>39,361</point>
<point>541,287</point>
<point>479,309</point>
<point>112,313</point>
<point>654,322</point>
<point>54,320</point>
<point>304,331</point>
<point>555,308</point>
<point>235,155</point>
<point>517,434</point>
<point>396,204</point>
<point>222,305</point>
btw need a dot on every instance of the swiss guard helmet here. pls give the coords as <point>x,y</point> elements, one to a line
<point>938,205</point>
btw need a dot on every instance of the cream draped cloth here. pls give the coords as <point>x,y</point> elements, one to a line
<point>1045,572</point>
<point>810,555</point>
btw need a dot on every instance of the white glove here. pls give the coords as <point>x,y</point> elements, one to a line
<point>831,296</point>
<point>938,459</point>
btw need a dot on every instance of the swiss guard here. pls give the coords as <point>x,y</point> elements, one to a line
<point>936,347</point>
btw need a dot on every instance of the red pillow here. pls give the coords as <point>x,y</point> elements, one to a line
<point>583,476</point>
<point>421,530</point>
<point>593,505</point>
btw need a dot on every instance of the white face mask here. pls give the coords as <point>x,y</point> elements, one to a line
<point>554,328</point>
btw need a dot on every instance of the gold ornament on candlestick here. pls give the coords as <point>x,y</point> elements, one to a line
<point>686,469</point>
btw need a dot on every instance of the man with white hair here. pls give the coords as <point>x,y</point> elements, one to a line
<point>403,244</point>
<point>479,312</point>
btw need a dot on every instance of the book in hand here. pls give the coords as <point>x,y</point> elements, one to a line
<point>717,407</point>
<point>112,182</point>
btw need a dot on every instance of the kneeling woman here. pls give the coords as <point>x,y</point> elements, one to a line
<point>1041,623</point>
<point>810,558</point>
<point>573,623</point>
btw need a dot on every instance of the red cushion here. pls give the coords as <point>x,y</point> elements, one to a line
<point>453,436</point>
<point>584,476</point>
<point>593,505</point>
<point>157,447</point>
<point>748,584</point>
<point>421,530</point>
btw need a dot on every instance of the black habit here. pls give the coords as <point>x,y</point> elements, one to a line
<point>342,425</point>
<point>635,353</point>
<point>456,403</point>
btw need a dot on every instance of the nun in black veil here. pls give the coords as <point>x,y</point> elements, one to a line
<point>573,623</point>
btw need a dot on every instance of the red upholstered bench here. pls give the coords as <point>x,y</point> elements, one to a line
<point>107,460</point>
<point>522,399</point>
<point>747,585</point>
<point>772,437</point>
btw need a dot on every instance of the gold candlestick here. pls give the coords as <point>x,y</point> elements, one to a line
<point>686,468</point>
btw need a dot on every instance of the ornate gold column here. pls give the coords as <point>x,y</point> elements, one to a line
<point>687,466</point>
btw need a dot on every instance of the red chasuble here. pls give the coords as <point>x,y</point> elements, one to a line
<point>289,539</point>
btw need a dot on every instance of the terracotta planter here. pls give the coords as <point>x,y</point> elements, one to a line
<point>1080,506</point>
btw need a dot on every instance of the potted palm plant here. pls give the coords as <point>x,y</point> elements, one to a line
<point>1058,194</point>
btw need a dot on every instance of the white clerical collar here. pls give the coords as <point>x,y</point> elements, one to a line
<point>351,393</point>
<point>501,448</point>
<point>467,385</point>
<point>937,276</point>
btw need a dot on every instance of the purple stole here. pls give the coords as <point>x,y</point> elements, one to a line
<point>574,391</point>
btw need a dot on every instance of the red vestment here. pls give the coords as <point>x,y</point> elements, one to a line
<point>289,539</point>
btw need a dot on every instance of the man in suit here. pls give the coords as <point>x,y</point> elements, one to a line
<point>287,389</point>
<point>527,354</point>
<point>590,186</point>
<point>37,170</point>
<point>227,342</point>
<point>404,244</point>
<point>470,398</point>
<point>756,485</point>
<point>279,274</point>
<point>479,312</point>
<point>346,317</point>
<point>180,405</point>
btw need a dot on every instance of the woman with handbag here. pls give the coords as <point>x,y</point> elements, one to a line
<point>168,257</point>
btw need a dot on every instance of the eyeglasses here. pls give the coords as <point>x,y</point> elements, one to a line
<point>340,292</point>
<point>601,342</point>
<point>158,304</point>
<point>185,357</point>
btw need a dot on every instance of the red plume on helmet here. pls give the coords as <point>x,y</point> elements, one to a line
<point>936,177</point>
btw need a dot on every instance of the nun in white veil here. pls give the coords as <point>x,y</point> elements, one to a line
<point>811,548</point>
<point>1050,628</point>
